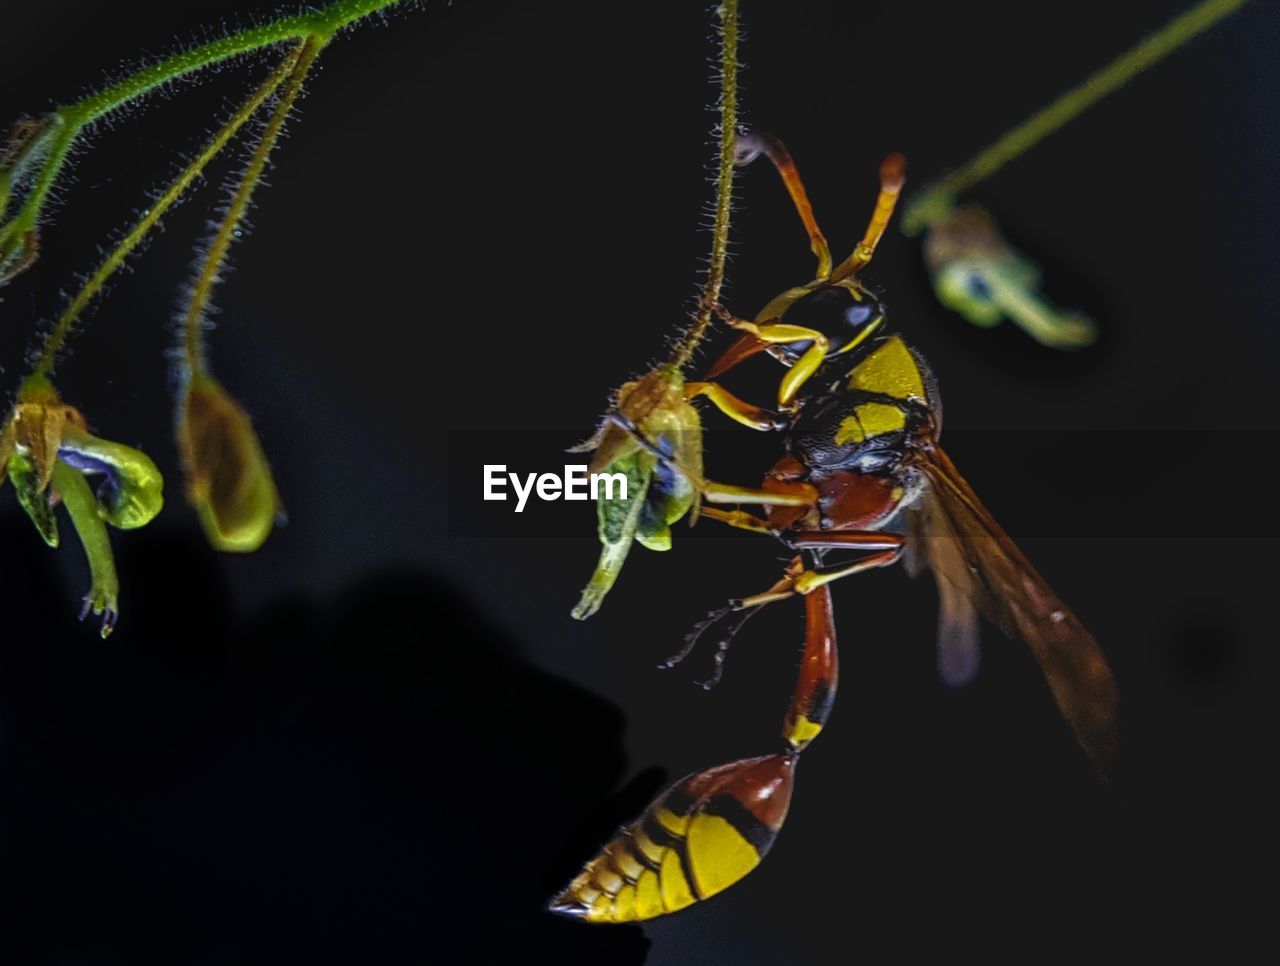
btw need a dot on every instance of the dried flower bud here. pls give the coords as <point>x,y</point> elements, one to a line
<point>229,481</point>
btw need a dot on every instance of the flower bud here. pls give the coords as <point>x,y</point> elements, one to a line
<point>47,452</point>
<point>131,493</point>
<point>651,417</point>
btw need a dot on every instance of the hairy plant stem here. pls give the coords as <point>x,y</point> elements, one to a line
<point>69,121</point>
<point>710,297</point>
<point>936,201</point>
<point>208,276</point>
<point>177,188</point>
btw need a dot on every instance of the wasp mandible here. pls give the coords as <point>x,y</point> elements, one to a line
<point>863,474</point>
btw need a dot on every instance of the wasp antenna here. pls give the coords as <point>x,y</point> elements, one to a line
<point>893,175</point>
<point>749,147</point>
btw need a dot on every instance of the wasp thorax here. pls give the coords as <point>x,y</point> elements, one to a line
<point>844,315</point>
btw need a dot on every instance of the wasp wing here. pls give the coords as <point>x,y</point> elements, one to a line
<point>976,563</point>
<point>933,543</point>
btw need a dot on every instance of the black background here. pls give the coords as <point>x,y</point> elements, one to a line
<point>381,738</point>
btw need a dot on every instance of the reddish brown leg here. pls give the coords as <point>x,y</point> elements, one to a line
<point>815,691</point>
<point>888,545</point>
<point>847,540</point>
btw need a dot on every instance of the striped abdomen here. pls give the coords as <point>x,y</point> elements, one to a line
<point>699,837</point>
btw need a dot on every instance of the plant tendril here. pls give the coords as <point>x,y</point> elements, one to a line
<point>172,194</point>
<point>710,297</point>
<point>215,257</point>
<point>68,122</point>
<point>934,202</point>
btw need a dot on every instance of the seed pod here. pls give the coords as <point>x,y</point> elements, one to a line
<point>228,478</point>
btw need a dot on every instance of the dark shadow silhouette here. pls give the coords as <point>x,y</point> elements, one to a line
<point>377,779</point>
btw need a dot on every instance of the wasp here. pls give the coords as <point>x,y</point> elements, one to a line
<point>863,483</point>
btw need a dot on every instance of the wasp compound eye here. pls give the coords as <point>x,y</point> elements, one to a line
<point>844,316</point>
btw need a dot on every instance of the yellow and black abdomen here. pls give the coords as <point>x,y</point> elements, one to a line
<point>698,838</point>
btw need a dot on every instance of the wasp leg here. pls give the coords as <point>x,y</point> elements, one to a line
<point>735,606</point>
<point>740,520</point>
<point>815,691</point>
<point>751,146</point>
<point>844,540</point>
<point>889,547</point>
<point>695,632</point>
<point>751,416</point>
<point>811,580</point>
<point>893,175</point>
<point>722,646</point>
<point>788,494</point>
<point>794,494</point>
<point>759,336</point>
<point>782,333</point>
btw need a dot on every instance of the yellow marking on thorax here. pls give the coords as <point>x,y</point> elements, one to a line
<point>870,419</point>
<point>890,370</point>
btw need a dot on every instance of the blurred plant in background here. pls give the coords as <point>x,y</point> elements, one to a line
<point>977,273</point>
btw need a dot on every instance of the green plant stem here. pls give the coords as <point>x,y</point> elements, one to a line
<point>210,270</point>
<point>70,120</point>
<point>93,285</point>
<point>710,297</point>
<point>936,200</point>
